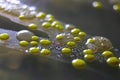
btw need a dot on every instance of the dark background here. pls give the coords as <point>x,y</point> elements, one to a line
<point>102,22</point>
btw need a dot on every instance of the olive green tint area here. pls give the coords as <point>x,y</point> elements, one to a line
<point>15,65</point>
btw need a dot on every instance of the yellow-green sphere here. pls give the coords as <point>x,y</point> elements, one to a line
<point>45,42</point>
<point>54,23</point>
<point>22,17</point>
<point>59,27</point>
<point>90,40</point>
<point>23,43</point>
<point>71,44</point>
<point>66,51</point>
<point>79,64</point>
<point>75,31</point>
<point>32,26</point>
<point>34,50</point>
<point>113,61</point>
<point>35,38</point>
<point>82,34</point>
<point>45,52</point>
<point>97,5</point>
<point>4,36</point>
<point>46,25</point>
<point>89,57</point>
<point>88,51</point>
<point>107,54</point>
<point>77,39</point>
<point>59,37</point>
<point>34,43</point>
<point>116,7</point>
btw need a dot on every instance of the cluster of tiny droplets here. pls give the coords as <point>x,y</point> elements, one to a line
<point>66,42</point>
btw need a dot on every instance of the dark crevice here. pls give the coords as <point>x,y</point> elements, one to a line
<point>9,25</point>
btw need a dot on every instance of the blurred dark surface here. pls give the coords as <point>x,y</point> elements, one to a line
<point>102,22</point>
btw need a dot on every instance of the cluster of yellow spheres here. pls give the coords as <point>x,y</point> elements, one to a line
<point>33,46</point>
<point>50,23</point>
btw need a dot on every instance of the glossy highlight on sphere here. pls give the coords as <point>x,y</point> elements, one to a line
<point>46,25</point>
<point>34,43</point>
<point>71,44</point>
<point>116,7</point>
<point>34,50</point>
<point>41,15</point>
<point>45,42</point>
<point>66,51</point>
<point>22,17</point>
<point>59,37</point>
<point>79,64</point>
<point>75,31</point>
<point>82,34</point>
<point>77,39</point>
<point>97,4</point>
<point>107,54</point>
<point>113,61</point>
<point>24,43</point>
<point>90,40</point>
<point>88,51</point>
<point>89,57</point>
<point>35,38</point>
<point>45,52</point>
<point>32,26</point>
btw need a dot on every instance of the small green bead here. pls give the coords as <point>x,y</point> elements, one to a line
<point>66,51</point>
<point>89,57</point>
<point>82,34</point>
<point>54,23</point>
<point>75,31</point>
<point>59,27</point>
<point>45,42</point>
<point>79,64</point>
<point>32,26</point>
<point>97,5</point>
<point>71,44</point>
<point>22,17</point>
<point>59,37</point>
<point>34,43</point>
<point>23,43</point>
<point>46,25</point>
<point>77,39</point>
<point>34,50</point>
<point>107,54</point>
<point>88,51</point>
<point>45,52</point>
<point>90,40</point>
<point>113,61</point>
<point>41,15</point>
<point>35,38</point>
<point>4,36</point>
